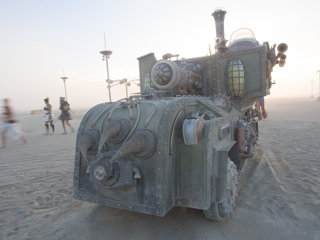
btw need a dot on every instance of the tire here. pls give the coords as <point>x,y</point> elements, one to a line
<point>223,210</point>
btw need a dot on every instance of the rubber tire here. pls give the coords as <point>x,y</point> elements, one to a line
<point>213,212</point>
<point>217,211</point>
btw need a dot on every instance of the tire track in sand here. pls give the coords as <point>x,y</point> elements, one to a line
<point>279,168</point>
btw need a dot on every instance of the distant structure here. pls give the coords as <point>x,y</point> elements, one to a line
<point>33,112</point>
<point>319,86</point>
<point>64,81</point>
<point>106,54</point>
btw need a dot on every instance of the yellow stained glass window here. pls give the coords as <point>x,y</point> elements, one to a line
<point>235,72</point>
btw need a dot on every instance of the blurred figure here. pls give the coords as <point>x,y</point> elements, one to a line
<point>65,115</point>
<point>48,117</point>
<point>260,106</point>
<point>11,126</point>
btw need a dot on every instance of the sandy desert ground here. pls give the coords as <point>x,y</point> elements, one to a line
<point>279,189</point>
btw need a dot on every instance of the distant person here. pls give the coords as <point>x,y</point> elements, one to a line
<point>11,126</point>
<point>65,115</point>
<point>48,117</point>
<point>260,106</point>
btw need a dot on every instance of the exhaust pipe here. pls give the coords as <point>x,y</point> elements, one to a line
<point>136,144</point>
<point>142,144</point>
<point>220,41</point>
<point>111,130</point>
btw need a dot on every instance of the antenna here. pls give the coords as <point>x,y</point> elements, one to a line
<point>105,45</point>
<point>64,81</point>
<point>106,54</point>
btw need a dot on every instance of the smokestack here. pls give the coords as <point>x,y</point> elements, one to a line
<point>218,16</point>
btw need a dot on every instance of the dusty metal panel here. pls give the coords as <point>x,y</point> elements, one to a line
<point>219,176</point>
<point>145,64</point>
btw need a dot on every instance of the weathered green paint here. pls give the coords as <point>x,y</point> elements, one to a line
<point>189,165</point>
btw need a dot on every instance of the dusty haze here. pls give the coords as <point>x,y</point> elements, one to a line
<point>39,39</point>
<point>279,189</point>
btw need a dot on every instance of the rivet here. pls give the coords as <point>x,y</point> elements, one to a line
<point>158,187</point>
<point>159,152</point>
<point>157,211</point>
<point>159,141</point>
<point>159,169</point>
<point>107,203</point>
<point>158,203</point>
<point>118,205</point>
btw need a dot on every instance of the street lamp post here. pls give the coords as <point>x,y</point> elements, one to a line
<point>106,54</point>
<point>319,86</point>
<point>65,88</point>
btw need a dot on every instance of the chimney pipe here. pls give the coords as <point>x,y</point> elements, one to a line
<point>218,16</point>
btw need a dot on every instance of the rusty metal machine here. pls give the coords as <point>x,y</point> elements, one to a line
<point>181,141</point>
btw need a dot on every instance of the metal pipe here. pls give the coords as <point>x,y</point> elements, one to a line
<point>218,16</point>
<point>135,125</point>
<point>154,110</point>
<point>112,112</point>
<point>109,87</point>
<point>240,139</point>
<point>65,89</point>
<point>210,107</point>
<point>94,122</point>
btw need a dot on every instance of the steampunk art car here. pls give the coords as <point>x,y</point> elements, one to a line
<point>180,141</point>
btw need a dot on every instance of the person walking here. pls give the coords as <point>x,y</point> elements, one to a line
<point>65,115</point>
<point>48,117</point>
<point>11,127</point>
<point>260,106</point>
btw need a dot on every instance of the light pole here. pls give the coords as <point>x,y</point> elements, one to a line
<point>311,89</point>
<point>106,54</point>
<point>65,88</point>
<point>319,86</point>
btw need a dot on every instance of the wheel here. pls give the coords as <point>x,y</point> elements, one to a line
<point>223,210</point>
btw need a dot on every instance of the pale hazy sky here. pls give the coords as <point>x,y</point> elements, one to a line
<point>40,38</point>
